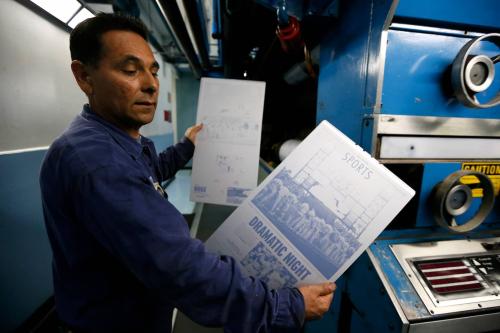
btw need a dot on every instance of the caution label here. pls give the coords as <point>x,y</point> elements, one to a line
<point>491,169</point>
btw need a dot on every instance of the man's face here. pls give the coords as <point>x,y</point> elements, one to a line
<point>124,85</point>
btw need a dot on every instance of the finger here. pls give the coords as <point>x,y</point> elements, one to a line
<point>327,288</point>
<point>195,130</point>
<point>328,298</point>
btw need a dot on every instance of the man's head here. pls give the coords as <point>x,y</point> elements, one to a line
<point>85,40</point>
<point>115,67</point>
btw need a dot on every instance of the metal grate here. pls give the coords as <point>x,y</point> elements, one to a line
<point>449,276</point>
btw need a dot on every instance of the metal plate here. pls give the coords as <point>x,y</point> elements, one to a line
<point>489,322</point>
<point>424,148</point>
<point>393,124</point>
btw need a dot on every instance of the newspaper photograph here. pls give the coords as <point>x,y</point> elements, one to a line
<point>226,159</point>
<point>314,215</point>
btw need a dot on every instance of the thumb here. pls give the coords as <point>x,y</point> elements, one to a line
<point>327,288</point>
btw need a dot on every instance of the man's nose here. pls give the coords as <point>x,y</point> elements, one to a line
<point>150,83</point>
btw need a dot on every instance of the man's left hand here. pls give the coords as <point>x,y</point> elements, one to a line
<point>192,132</point>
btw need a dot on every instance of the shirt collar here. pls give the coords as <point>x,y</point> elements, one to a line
<point>132,146</point>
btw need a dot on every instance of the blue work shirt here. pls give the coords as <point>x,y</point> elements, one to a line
<point>123,257</point>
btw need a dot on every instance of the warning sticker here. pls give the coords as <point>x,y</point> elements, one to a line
<point>491,169</point>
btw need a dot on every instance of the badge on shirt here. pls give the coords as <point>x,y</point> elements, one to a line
<point>157,187</point>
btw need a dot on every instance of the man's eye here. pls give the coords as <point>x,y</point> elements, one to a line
<point>130,72</point>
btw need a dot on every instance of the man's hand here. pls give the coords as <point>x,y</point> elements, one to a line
<point>317,298</point>
<point>192,132</point>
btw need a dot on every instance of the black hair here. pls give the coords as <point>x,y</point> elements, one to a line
<point>85,40</point>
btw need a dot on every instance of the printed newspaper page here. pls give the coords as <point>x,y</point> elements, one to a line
<point>314,215</point>
<point>226,158</point>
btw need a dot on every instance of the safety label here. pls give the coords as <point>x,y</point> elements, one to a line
<point>490,169</point>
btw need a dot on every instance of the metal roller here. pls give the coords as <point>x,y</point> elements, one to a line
<point>453,198</point>
<point>472,74</point>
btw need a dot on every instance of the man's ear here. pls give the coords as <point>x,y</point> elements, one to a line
<point>82,76</point>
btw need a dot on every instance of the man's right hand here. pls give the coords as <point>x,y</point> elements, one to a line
<point>317,298</point>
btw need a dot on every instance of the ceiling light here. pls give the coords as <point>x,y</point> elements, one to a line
<point>82,15</point>
<point>61,9</point>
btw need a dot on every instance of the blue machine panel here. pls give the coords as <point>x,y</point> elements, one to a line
<point>417,77</point>
<point>413,75</point>
<point>405,293</point>
<point>349,66</point>
<point>480,13</point>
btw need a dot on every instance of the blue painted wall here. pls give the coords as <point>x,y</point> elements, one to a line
<point>187,89</point>
<point>162,141</point>
<point>25,254</point>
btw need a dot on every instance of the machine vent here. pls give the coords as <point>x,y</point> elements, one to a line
<point>449,276</point>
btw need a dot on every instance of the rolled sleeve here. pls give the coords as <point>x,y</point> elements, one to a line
<point>175,157</point>
<point>290,305</point>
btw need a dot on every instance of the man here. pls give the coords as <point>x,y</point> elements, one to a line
<point>123,257</point>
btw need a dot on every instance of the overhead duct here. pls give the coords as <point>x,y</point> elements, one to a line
<point>192,12</point>
<point>176,24</point>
